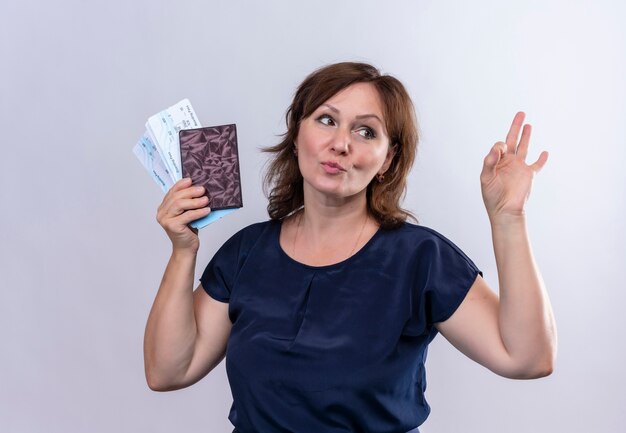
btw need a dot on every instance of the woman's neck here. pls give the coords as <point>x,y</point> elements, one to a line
<point>324,215</point>
<point>328,231</point>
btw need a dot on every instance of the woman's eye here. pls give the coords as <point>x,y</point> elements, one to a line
<point>326,120</point>
<point>367,133</point>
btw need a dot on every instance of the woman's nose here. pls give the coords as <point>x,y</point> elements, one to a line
<point>341,141</point>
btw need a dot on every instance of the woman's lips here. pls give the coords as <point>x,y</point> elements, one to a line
<point>332,167</point>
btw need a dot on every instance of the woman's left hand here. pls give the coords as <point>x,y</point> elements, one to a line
<point>506,179</point>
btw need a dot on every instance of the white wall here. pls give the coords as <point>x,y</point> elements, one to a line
<point>81,254</point>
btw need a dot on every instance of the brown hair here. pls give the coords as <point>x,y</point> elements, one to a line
<point>283,178</point>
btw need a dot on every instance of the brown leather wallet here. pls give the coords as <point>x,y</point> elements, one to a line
<point>210,157</point>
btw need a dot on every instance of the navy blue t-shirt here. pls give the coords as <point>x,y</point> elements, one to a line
<point>337,348</point>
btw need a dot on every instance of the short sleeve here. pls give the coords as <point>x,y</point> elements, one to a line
<point>220,274</point>
<point>444,276</point>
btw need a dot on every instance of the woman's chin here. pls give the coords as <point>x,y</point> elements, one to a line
<point>336,192</point>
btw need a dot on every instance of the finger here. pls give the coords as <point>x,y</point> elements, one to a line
<point>522,149</point>
<point>183,189</point>
<point>186,193</point>
<point>541,161</point>
<point>189,192</point>
<point>183,183</point>
<point>180,206</point>
<point>177,187</point>
<point>512,136</point>
<point>192,215</point>
<point>490,162</point>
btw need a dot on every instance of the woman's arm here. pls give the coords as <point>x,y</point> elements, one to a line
<point>186,332</point>
<point>515,334</point>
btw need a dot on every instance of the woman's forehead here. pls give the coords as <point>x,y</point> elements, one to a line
<point>358,99</point>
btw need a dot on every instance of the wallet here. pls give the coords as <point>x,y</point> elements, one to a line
<point>210,157</point>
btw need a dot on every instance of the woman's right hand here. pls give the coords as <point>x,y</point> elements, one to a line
<point>183,204</point>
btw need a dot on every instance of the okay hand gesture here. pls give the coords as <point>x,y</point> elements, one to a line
<point>506,179</point>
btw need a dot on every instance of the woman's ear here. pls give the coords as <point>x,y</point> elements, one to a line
<point>391,152</point>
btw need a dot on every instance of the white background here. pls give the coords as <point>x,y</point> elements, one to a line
<point>81,254</point>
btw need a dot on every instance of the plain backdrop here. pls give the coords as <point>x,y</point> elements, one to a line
<point>81,255</point>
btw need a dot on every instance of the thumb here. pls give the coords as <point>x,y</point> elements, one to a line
<point>490,162</point>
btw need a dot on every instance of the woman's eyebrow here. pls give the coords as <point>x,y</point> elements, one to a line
<point>361,116</point>
<point>331,108</point>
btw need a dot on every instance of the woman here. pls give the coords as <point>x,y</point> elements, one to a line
<point>328,307</point>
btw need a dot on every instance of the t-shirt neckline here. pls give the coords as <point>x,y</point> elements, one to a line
<point>362,250</point>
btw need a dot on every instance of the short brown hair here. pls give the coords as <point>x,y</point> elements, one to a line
<point>283,178</point>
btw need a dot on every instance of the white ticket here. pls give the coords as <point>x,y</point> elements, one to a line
<point>163,130</point>
<point>148,155</point>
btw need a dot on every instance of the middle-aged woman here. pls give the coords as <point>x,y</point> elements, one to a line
<point>325,311</point>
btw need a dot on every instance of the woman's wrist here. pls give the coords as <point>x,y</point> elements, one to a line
<point>505,221</point>
<point>179,253</point>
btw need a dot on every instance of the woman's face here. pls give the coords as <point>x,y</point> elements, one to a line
<point>343,144</point>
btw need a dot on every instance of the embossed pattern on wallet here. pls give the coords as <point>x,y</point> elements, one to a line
<point>210,157</point>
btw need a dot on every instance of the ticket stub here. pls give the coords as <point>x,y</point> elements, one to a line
<point>148,154</point>
<point>211,217</point>
<point>163,130</point>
